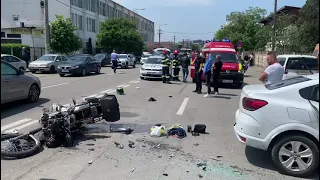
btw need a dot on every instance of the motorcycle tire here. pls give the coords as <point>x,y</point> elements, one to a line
<point>20,154</point>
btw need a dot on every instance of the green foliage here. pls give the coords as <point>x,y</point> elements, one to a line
<point>16,49</point>
<point>244,27</point>
<point>63,39</point>
<point>195,47</point>
<point>145,48</point>
<point>120,34</point>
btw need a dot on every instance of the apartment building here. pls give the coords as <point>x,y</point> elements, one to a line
<point>85,14</point>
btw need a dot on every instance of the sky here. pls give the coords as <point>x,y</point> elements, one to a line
<point>195,19</point>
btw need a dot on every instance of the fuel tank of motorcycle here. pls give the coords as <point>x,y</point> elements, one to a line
<point>110,108</point>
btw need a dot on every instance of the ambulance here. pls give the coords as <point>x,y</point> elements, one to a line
<point>232,71</point>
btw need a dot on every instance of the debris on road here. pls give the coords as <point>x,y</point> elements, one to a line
<point>201,164</point>
<point>120,146</point>
<point>90,162</point>
<point>131,144</point>
<point>133,169</point>
<point>177,131</point>
<point>165,174</point>
<point>151,99</point>
<point>138,87</point>
<point>122,130</point>
<point>170,96</point>
<point>196,144</point>
<point>200,128</point>
<point>200,176</point>
<point>157,131</point>
<point>219,156</point>
<point>91,149</point>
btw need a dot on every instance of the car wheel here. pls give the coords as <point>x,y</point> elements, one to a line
<point>142,77</point>
<point>83,72</point>
<point>61,75</point>
<point>134,65</point>
<point>98,70</point>
<point>52,70</point>
<point>34,93</point>
<point>295,155</point>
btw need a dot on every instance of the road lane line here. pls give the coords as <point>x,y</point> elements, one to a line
<point>132,81</point>
<point>121,85</point>
<point>93,95</point>
<point>3,128</point>
<point>183,106</point>
<point>112,91</point>
<point>54,85</point>
<point>22,126</point>
<point>126,86</point>
<point>106,91</point>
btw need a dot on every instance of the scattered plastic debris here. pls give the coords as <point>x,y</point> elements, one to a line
<point>138,87</point>
<point>196,144</point>
<point>91,149</point>
<point>165,174</point>
<point>152,99</point>
<point>200,176</point>
<point>219,156</point>
<point>90,162</point>
<point>170,96</point>
<point>133,169</point>
<point>131,144</point>
<point>120,146</point>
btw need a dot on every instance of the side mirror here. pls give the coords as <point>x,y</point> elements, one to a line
<point>20,72</point>
<point>57,60</point>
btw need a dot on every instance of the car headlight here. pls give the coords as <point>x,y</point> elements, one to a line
<point>44,65</point>
<point>59,67</point>
<point>74,67</point>
<point>142,69</point>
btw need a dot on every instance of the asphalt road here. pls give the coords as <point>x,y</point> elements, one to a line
<point>96,157</point>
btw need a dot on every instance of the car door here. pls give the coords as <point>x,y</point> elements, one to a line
<point>57,61</point>
<point>16,62</point>
<point>95,63</point>
<point>13,85</point>
<point>10,60</point>
<point>311,94</point>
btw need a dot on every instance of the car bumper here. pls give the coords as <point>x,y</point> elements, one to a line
<point>246,129</point>
<point>70,71</point>
<point>151,74</point>
<point>39,68</point>
<point>235,78</point>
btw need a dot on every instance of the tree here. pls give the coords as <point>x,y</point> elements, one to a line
<point>89,46</point>
<point>63,39</point>
<point>195,47</point>
<point>244,27</point>
<point>120,34</point>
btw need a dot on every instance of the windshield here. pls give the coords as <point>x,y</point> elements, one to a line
<point>78,58</point>
<point>146,55</point>
<point>122,56</point>
<point>47,58</point>
<point>225,57</point>
<point>302,63</point>
<point>281,60</point>
<point>99,56</point>
<point>153,61</point>
<point>287,82</point>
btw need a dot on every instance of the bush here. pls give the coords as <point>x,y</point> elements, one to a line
<point>16,49</point>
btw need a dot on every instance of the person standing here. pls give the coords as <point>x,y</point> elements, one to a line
<point>114,60</point>
<point>198,62</point>
<point>274,72</point>
<point>175,66</point>
<point>207,73</point>
<point>25,55</point>
<point>165,68</point>
<point>216,73</point>
<point>185,67</point>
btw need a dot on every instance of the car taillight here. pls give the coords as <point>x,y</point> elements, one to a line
<point>253,104</point>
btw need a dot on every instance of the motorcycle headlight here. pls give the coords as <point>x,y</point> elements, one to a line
<point>74,67</point>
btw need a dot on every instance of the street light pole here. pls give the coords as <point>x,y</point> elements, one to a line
<point>160,33</point>
<point>46,27</point>
<point>274,25</point>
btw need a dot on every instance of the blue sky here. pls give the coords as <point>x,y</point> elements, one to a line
<point>189,18</point>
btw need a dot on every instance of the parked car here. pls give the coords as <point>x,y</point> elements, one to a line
<point>15,85</point>
<point>282,118</point>
<point>80,64</point>
<point>126,60</point>
<point>104,58</point>
<point>145,57</point>
<point>296,65</point>
<point>14,61</point>
<point>152,68</point>
<point>47,63</point>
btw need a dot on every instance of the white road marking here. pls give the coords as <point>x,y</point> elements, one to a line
<point>22,126</point>
<point>3,128</point>
<point>134,82</point>
<point>112,91</point>
<point>126,86</point>
<point>183,106</point>
<point>54,85</point>
<point>94,95</point>
<point>106,91</point>
<point>121,85</point>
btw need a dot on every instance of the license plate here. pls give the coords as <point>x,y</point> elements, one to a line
<point>227,81</point>
<point>64,70</point>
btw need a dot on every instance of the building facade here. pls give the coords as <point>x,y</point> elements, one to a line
<point>85,14</point>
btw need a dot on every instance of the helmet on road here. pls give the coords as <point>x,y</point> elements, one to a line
<point>120,91</point>
<point>176,52</point>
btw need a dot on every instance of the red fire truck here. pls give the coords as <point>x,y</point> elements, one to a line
<point>231,72</point>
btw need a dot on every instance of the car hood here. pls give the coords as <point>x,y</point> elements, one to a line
<point>123,59</point>
<point>152,66</point>
<point>38,62</point>
<point>71,64</point>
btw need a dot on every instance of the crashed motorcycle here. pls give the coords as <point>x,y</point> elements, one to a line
<point>58,123</point>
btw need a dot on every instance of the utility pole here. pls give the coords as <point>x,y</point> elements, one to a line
<point>159,32</point>
<point>46,27</point>
<point>174,42</point>
<point>274,25</point>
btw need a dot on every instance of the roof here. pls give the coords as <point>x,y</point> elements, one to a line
<point>295,55</point>
<point>284,9</point>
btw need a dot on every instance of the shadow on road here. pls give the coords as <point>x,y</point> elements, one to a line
<point>88,75</point>
<point>262,159</point>
<point>17,107</point>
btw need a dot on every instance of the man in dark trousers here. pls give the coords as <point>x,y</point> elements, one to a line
<point>198,65</point>
<point>165,68</point>
<point>216,69</point>
<point>185,66</point>
<point>25,55</point>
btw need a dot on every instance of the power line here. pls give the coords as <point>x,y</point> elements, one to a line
<point>189,33</point>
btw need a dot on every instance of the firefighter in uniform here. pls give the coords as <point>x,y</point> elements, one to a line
<point>175,66</point>
<point>165,68</point>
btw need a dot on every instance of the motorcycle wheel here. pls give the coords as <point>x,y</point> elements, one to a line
<point>20,148</point>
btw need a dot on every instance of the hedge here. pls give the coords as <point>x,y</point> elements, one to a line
<point>6,49</point>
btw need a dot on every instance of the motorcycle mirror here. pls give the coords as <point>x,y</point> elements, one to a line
<point>74,101</point>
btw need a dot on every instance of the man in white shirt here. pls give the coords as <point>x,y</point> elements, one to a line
<point>274,72</point>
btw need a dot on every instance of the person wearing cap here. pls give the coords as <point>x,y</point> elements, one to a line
<point>114,60</point>
<point>175,66</point>
<point>198,65</point>
<point>165,67</point>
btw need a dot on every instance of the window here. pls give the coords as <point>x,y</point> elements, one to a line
<point>102,8</point>
<point>11,41</point>
<point>282,60</point>
<point>63,58</point>
<point>91,25</point>
<point>310,93</point>
<point>77,20</point>
<point>287,82</point>
<point>58,58</point>
<point>13,35</point>
<point>3,34</point>
<point>91,5</point>
<point>7,69</point>
<point>302,63</point>
<point>77,3</point>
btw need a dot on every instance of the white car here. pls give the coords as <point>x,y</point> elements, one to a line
<point>14,61</point>
<point>145,57</point>
<point>152,68</point>
<point>47,63</point>
<point>126,60</point>
<point>282,118</point>
<point>297,65</point>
